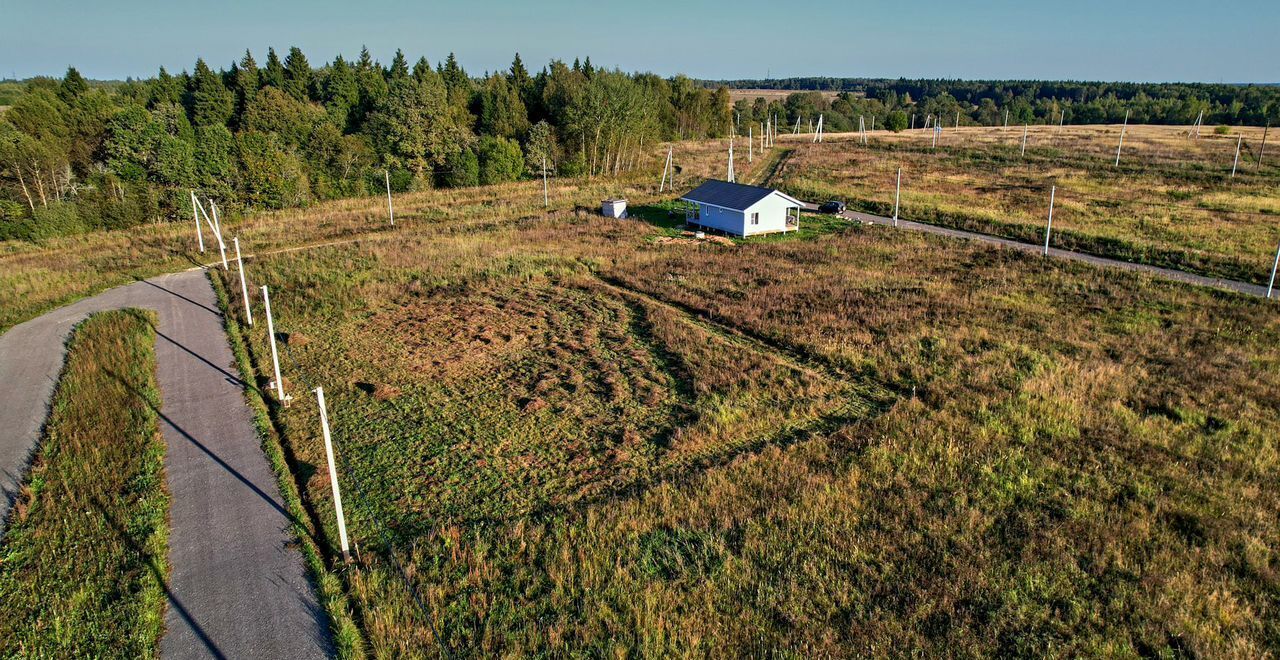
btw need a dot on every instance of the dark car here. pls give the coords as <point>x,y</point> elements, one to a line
<point>833,207</point>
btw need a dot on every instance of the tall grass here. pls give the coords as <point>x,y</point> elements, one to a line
<point>83,563</point>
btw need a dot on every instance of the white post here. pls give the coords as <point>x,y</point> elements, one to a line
<point>957,119</point>
<point>796,130</point>
<point>913,121</point>
<point>217,224</point>
<point>222,246</point>
<point>1234,165</point>
<point>729,178</point>
<point>1274,264</point>
<point>391,212</point>
<point>275,358</point>
<point>873,123</point>
<point>1263,148</point>
<point>1062,119</point>
<point>333,476</point>
<point>1122,130</point>
<point>244,288</point>
<point>546,201</point>
<point>1024,140</point>
<point>897,197</point>
<point>1048,229</point>
<point>751,144</point>
<point>1006,119</point>
<point>935,137</point>
<point>195,213</point>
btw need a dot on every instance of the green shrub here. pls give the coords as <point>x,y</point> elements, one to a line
<point>462,169</point>
<point>1222,130</point>
<point>500,160</point>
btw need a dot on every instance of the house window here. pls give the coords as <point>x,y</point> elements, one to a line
<point>755,218</point>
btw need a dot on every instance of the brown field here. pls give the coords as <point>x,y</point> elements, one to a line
<point>772,94</point>
<point>1172,201</point>
<point>576,439</point>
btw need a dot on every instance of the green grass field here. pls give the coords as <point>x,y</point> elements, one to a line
<point>83,562</point>
<point>582,439</point>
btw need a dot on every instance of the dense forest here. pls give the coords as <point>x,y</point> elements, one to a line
<point>984,102</point>
<point>77,155</point>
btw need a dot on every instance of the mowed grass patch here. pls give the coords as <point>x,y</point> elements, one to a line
<point>83,562</point>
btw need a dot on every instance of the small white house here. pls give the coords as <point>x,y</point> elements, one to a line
<point>614,208</point>
<point>743,210</point>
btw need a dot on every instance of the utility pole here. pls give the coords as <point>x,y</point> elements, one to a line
<point>222,247</point>
<point>275,357</point>
<point>333,476</point>
<point>751,144</point>
<point>546,201</point>
<point>1122,130</point>
<point>1271,284</point>
<point>1048,229</point>
<point>195,213</point>
<point>1263,148</point>
<point>244,288</point>
<point>666,166</point>
<point>1006,119</point>
<point>1024,140</point>
<point>897,197</point>
<point>391,212</point>
<point>1236,162</point>
<point>730,177</point>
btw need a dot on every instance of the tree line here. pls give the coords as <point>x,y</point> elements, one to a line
<point>77,156</point>
<point>985,103</point>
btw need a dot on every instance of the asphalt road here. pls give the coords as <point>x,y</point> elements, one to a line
<point>238,586</point>
<point>1166,273</point>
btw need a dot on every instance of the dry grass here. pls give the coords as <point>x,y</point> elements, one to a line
<point>37,277</point>
<point>771,95</point>
<point>1172,201</point>
<point>83,562</point>
<point>588,452</point>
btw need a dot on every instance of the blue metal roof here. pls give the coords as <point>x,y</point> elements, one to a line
<point>736,196</point>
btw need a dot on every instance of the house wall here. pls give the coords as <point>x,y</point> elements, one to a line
<point>773,215</point>
<point>731,222</point>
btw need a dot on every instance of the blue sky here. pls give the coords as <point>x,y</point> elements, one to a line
<point>1142,40</point>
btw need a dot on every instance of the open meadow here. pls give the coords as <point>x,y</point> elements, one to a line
<point>1172,201</point>
<point>563,435</point>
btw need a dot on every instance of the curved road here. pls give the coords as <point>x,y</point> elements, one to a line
<point>238,587</point>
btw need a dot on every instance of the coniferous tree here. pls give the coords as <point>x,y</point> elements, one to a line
<point>499,110</point>
<point>208,102</point>
<point>247,82</point>
<point>73,85</point>
<point>165,89</point>
<point>297,75</point>
<point>372,86</point>
<point>341,93</point>
<point>273,73</point>
<point>422,70</point>
<point>399,67</point>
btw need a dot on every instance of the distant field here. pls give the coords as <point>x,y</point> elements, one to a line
<point>771,94</point>
<point>1171,202</point>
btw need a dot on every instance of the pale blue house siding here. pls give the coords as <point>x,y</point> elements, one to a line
<point>732,222</point>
